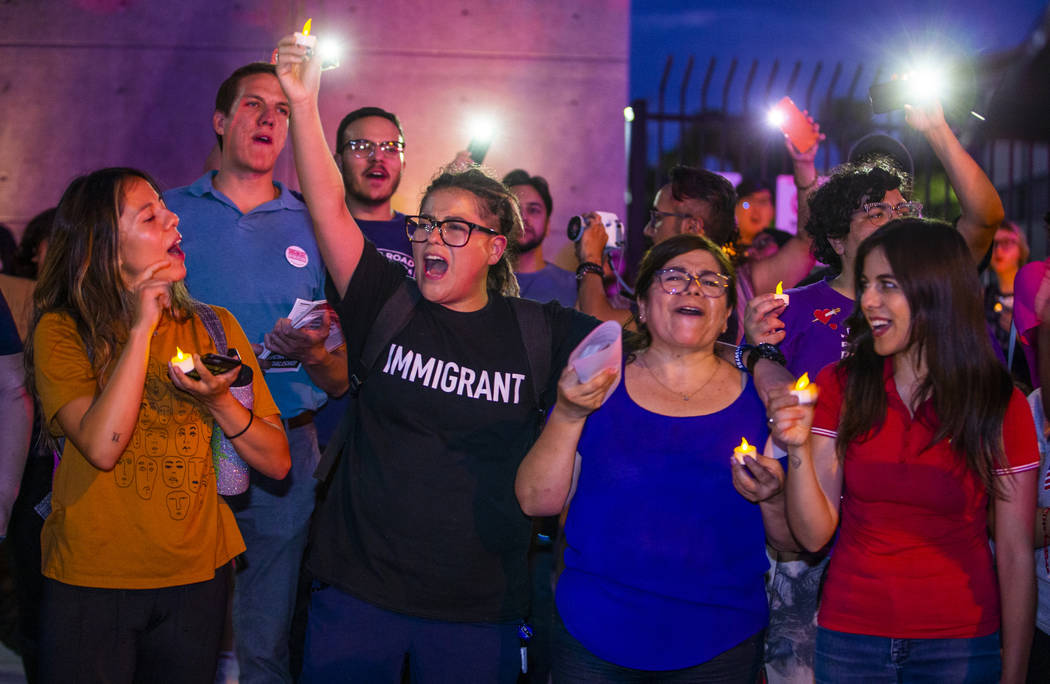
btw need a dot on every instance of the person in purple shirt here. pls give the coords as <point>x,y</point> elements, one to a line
<point>811,330</point>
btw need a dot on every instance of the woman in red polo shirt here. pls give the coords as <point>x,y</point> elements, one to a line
<point>913,433</point>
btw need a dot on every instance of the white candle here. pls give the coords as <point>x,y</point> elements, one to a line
<point>806,392</point>
<point>779,294</point>
<point>182,361</point>
<point>305,39</point>
<point>743,450</point>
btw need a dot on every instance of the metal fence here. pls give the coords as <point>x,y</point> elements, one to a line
<point>717,119</point>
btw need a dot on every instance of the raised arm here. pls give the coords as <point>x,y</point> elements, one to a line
<point>545,475</point>
<point>814,482</point>
<point>590,294</point>
<point>795,259</point>
<point>982,209</point>
<point>338,236</point>
<point>101,426</point>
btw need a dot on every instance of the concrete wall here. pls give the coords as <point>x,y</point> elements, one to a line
<point>92,83</point>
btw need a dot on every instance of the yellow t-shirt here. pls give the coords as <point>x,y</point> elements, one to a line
<point>155,520</point>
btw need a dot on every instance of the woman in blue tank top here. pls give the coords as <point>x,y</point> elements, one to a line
<point>665,555</point>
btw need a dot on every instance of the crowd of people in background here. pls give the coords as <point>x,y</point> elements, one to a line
<point>435,493</point>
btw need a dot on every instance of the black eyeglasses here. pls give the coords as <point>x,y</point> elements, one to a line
<point>676,281</point>
<point>366,148</point>
<point>453,232</point>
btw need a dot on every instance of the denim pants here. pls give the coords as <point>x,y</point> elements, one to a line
<point>842,658</point>
<point>274,518</point>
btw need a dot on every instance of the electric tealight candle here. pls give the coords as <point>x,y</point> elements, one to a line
<point>182,360</point>
<point>744,449</point>
<point>806,393</point>
<point>305,39</point>
<point>779,294</point>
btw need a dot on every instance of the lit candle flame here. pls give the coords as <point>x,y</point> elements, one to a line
<point>180,355</point>
<point>803,382</point>
<point>744,446</point>
<point>780,287</point>
<point>306,26</point>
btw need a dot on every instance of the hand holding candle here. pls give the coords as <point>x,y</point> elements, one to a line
<point>807,393</point>
<point>305,39</point>
<point>743,450</point>
<point>779,294</point>
<point>182,360</point>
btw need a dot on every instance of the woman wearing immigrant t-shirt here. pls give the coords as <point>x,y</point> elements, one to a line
<point>913,433</point>
<point>137,548</point>
<point>664,561</point>
<point>419,547</point>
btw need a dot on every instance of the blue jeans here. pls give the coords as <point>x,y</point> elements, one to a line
<point>274,518</point>
<point>842,658</point>
<point>350,640</point>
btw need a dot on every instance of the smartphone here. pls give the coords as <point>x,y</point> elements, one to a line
<point>886,97</point>
<point>216,364</point>
<point>478,148</point>
<point>796,126</point>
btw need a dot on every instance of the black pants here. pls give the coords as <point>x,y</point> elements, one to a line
<point>132,635</point>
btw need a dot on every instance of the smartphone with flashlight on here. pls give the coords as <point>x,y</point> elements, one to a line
<point>478,148</point>
<point>889,96</point>
<point>794,124</point>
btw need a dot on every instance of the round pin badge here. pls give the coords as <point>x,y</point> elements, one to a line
<point>296,256</point>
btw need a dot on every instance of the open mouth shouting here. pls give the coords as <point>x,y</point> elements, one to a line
<point>175,251</point>
<point>434,266</point>
<point>687,310</point>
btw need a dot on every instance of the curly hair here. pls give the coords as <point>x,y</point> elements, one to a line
<point>494,199</point>
<point>832,205</point>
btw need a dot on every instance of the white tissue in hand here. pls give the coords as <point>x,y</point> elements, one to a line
<point>601,349</point>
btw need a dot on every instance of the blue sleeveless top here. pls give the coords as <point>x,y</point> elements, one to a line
<point>664,561</point>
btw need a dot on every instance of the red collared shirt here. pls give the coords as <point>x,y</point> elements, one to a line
<point>912,559</point>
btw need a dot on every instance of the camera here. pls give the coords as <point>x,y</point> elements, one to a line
<point>613,228</point>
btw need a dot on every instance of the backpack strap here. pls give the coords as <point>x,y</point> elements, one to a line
<point>213,325</point>
<point>392,318</point>
<point>536,336</point>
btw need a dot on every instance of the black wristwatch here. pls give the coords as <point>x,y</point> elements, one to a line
<point>588,267</point>
<point>764,351</point>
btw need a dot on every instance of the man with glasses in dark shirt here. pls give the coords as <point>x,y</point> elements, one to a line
<point>370,153</point>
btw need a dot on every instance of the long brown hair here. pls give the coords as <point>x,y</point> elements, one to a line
<point>81,277</point>
<point>969,388</point>
<point>496,199</point>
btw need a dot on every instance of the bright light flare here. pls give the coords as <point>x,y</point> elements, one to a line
<point>776,117</point>
<point>330,52</point>
<point>927,82</point>
<point>628,114</point>
<point>482,128</point>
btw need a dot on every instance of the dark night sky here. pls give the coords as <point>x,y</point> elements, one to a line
<point>820,29</point>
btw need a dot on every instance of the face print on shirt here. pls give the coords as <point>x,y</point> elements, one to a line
<point>196,474</point>
<point>178,504</point>
<point>145,476</point>
<point>124,471</point>
<point>174,471</point>
<point>156,442</point>
<point>187,439</point>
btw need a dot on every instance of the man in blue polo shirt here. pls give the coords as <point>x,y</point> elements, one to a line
<point>250,247</point>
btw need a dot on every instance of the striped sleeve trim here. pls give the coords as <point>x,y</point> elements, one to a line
<point>1016,469</point>
<point>825,433</point>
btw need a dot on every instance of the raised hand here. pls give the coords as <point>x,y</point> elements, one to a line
<point>791,420</point>
<point>761,320</point>
<point>578,400</point>
<point>811,154</point>
<point>150,295</point>
<point>924,118</point>
<point>591,245</point>
<point>300,76</point>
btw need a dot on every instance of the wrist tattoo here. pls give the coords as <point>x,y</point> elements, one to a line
<point>795,461</point>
